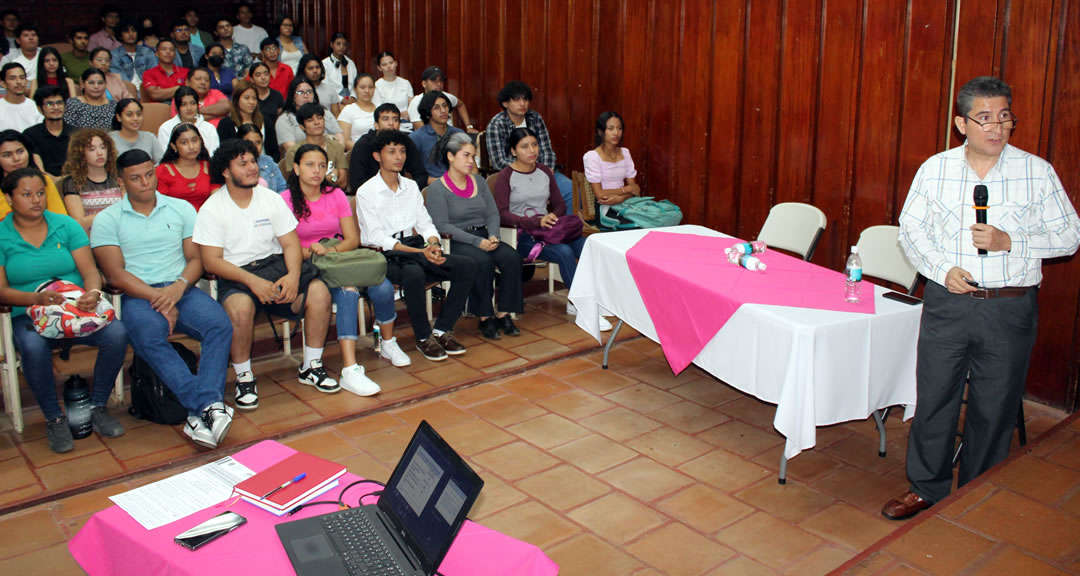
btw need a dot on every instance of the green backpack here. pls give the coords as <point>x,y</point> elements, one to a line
<point>648,213</point>
<point>361,267</point>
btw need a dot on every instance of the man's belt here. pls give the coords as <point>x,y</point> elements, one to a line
<point>988,293</point>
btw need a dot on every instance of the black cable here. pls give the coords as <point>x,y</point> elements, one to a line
<point>340,502</point>
<point>306,504</point>
<point>341,497</point>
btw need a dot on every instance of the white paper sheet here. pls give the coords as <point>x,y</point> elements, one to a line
<point>173,498</point>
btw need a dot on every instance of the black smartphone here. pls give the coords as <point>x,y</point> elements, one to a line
<point>902,298</point>
<point>210,530</point>
<point>971,283</point>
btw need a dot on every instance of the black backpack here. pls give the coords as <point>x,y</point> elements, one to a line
<point>151,399</point>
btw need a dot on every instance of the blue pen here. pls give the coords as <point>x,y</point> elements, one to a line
<point>298,478</point>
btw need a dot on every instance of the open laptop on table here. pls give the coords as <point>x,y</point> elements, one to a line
<point>408,531</point>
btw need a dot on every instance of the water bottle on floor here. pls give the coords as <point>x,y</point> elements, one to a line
<point>853,271</point>
<point>77,405</point>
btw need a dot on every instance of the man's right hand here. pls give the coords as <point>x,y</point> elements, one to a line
<point>433,252</point>
<point>954,281</point>
<point>548,220</point>
<point>263,289</point>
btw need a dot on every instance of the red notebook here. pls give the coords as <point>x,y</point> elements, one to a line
<point>319,472</point>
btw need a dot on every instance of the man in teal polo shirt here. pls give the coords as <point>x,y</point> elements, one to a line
<point>143,244</point>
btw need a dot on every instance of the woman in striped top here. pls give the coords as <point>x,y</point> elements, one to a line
<point>90,182</point>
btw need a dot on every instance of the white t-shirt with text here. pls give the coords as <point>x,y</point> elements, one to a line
<point>246,234</point>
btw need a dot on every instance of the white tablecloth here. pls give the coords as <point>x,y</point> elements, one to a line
<point>819,367</point>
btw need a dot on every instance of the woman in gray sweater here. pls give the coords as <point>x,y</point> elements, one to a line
<point>461,205</point>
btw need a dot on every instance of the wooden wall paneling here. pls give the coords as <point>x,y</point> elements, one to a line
<point>798,93</point>
<point>420,41</point>
<point>761,91</point>
<point>554,93</point>
<point>501,38</point>
<point>583,96</point>
<point>663,76</point>
<point>632,87</point>
<point>979,35</point>
<point>725,103</point>
<point>533,31</point>
<point>1028,55</point>
<point>611,44</point>
<point>516,33</point>
<point>689,146</point>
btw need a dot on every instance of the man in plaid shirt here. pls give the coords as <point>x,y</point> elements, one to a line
<point>980,311</point>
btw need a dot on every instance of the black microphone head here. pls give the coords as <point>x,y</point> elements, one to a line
<point>982,196</point>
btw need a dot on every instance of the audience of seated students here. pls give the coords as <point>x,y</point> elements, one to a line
<point>358,118</point>
<point>389,209</point>
<point>91,109</point>
<point>35,247</point>
<point>243,225</point>
<point>432,80</point>
<point>393,88</point>
<point>461,205</point>
<point>27,53</point>
<point>184,171</point>
<point>148,33</point>
<point>143,245</point>
<point>528,199</point>
<point>160,82</point>
<point>609,169</point>
<point>322,211</point>
<point>213,105</point>
<point>362,163</point>
<point>90,184</point>
<point>49,139</point>
<point>14,155</point>
<point>245,32</point>
<point>271,105</point>
<point>127,133</point>
<point>288,128</point>
<point>50,72</point>
<point>340,69</point>
<point>9,21</point>
<point>328,93</point>
<point>281,74</point>
<point>221,79</point>
<point>187,54</point>
<point>291,44</point>
<point>269,173</point>
<point>115,87</point>
<point>198,36</point>
<point>17,112</point>
<point>107,37</point>
<point>237,56</point>
<point>312,118</point>
<point>434,113</point>
<point>514,99</point>
<point>131,59</point>
<point>77,60</point>
<point>244,109</point>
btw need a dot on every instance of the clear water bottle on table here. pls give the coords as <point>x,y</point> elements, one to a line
<point>853,280</point>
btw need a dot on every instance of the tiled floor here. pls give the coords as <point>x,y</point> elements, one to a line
<point>627,471</point>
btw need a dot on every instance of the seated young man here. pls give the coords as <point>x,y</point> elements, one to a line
<point>362,164</point>
<point>312,118</point>
<point>389,208</point>
<point>50,138</point>
<point>247,238</point>
<point>213,105</point>
<point>432,80</point>
<point>143,244</point>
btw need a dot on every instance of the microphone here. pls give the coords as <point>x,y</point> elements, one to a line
<point>981,198</point>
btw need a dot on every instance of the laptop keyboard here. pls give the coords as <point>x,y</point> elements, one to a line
<point>362,550</point>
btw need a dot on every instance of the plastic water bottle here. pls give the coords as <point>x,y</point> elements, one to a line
<point>77,405</point>
<point>853,271</point>
<point>751,263</point>
<point>755,247</point>
<point>378,335</point>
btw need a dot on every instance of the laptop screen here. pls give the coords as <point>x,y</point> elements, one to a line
<point>429,495</point>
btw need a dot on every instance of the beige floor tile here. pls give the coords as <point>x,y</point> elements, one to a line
<point>474,436</point>
<point>599,381</point>
<point>80,471</point>
<point>620,424</point>
<point>645,479</point>
<point>16,473</point>
<point>750,410</point>
<point>564,333</point>
<point>704,508</point>
<point>568,367</point>
<point>669,446</point>
<point>364,466</point>
<point>643,398</point>
<point>708,392</point>
<point>27,531</point>
<point>325,443</point>
<point>848,526</point>
<point>862,451</point>
<point>496,495</point>
<point>768,540</point>
<point>541,350</point>
<point>617,518</point>
<point>658,373</point>
<point>370,423</point>
<point>1012,561</point>
<point>533,523</point>
<point>793,502</point>
<point>1026,523</point>
<point>507,410</point>
<point>742,566</point>
<point>438,412</point>
<point>724,470</point>
<point>809,466</point>
<point>386,446</point>
<point>342,403</point>
<point>450,372</point>
<point>515,461</point>
<point>676,549</point>
<point>548,431</point>
<point>940,547</point>
<point>742,439</point>
<point>38,453</point>
<point>54,561</point>
<point>563,487</point>
<point>276,408</point>
<point>689,417</point>
<point>484,355</point>
<point>594,453</point>
<point>820,562</point>
<point>855,486</point>
<point>534,386</point>
<point>1038,479</point>
<point>587,555</point>
<point>576,404</point>
<point>475,394</point>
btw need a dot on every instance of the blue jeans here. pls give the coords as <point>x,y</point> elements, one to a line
<point>565,255</point>
<point>35,351</point>
<point>566,188</point>
<point>201,318</point>
<point>348,304</point>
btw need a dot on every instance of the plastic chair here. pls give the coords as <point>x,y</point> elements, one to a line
<point>154,115</point>
<point>883,258</point>
<point>795,227</point>
<point>509,235</point>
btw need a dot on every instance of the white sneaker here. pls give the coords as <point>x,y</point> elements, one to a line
<point>571,309</point>
<point>198,432</point>
<point>218,418</point>
<point>390,350</point>
<point>604,324</point>
<point>247,394</point>
<point>316,376</point>
<point>354,380</point>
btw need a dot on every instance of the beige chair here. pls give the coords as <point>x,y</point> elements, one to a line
<point>509,235</point>
<point>882,257</point>
<point>794,227</point>
<point>154,115</point>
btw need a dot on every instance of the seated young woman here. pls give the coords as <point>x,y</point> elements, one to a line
<point>127,133</point>
<point>271,105</point>
<point>221,78</point>
<point>15,154</point>
<point>90,183</point>
<point>460,204</point>
<point>184,171</point>
<point>35,246</point>
<point>609,170</point>
<point>245,110</point>
<point>269,173</point>
<point>92,108</point>
<point>529,199</point>
<point>323,211</point>
<point>186,101</point>
<point>358,118</point>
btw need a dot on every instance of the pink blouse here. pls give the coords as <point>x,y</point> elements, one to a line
<point>609,174</point>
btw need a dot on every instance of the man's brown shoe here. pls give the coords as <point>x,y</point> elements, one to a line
<point>430,349</point>
<point>906,505</point>
<point>452,346</point>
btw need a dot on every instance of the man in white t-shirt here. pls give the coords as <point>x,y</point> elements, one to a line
<point>245,32</point>
<point>26,54</point>
<point>17,112</point>
<point>432,80</point>
<point>247,236</point>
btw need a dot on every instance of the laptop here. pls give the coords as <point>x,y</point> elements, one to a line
<point>407,532</point>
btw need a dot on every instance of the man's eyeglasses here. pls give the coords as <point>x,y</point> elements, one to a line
<point>54,104</point>
<point>1007,124</point>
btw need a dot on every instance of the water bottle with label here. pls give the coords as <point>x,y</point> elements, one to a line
<point>853,271</point>
<point>755,247</point>
<point>77,405</point>
<point>751,263</point>
<point>377,334</point>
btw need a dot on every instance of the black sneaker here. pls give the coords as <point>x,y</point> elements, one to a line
<point>316,376</point>
<point>247,395</point>
<point>60,438</point>
<point>104,423</point>
<point>506,324</point>
<point>489,328</point>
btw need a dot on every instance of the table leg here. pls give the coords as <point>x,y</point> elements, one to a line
<point>880,421</point>
<point>783,468</point>
<point>611,342</point>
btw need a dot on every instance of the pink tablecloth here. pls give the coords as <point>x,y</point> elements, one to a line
<point>691,290</point>
<point>112,542</point>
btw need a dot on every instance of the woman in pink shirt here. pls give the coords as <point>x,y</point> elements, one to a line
<point>609,168</point>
